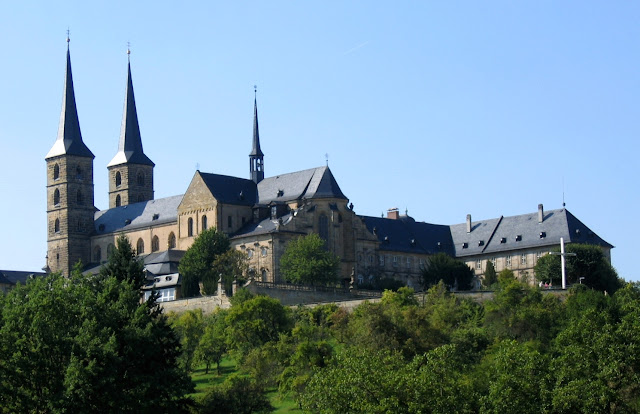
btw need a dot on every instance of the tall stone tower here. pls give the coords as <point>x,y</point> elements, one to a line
<point>130,171</point>
<point>256,157</point>
<point>70,208</point>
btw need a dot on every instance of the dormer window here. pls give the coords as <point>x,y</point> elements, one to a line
<point>480,242</point>
<point>519,237</point>
<point>503,240</point>
<point>465,245</point>
<point>543,234</point>
<point>280,193</point>
<point>577,232</point>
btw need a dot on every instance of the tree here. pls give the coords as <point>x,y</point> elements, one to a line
<point>232,265</point>
<point>123,264</point>
<point>212,345</point>
<point>189,326</point>
<point>490,277</point>
<point>454,273</point>
<point>589,263</point>
<point>255,322</point>
<point>197,264</point>
<point>306,260</point>
<point>237,395</point>
<point>87,344</point>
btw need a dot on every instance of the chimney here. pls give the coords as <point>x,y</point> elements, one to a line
<point>540,213</point>
<point>393,213</point>
<point>468,223</point>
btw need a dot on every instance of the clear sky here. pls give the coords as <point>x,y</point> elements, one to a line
<point>440,108</point>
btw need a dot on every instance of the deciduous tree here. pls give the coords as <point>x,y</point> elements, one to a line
<point>197,264</point>
<point>306,260</point>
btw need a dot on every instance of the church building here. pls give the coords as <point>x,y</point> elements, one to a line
<point>261,214</point>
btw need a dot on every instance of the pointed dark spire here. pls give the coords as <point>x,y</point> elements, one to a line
<point>256,152</point>
<point>130,146</point>
<point>256,157</point>
<point>69,141</point>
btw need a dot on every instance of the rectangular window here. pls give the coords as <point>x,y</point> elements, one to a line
<point>408,263</point>
<point>479,264</point>
<point>421,263</point>
<point>167,295</point>
<point>523,259</point>
<point>508,261</point>
<point>229,221</point>
<point>395,261</point>
<point>381,260</point>
<point>371,259</point>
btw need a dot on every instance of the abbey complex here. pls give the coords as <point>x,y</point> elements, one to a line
<point>261,214</point>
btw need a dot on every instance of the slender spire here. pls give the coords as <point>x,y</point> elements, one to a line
<point>256,152</point>
<point>256,158</point>
<point>69,141</point>
<point>130,146</point>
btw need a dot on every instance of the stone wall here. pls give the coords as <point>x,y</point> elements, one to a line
<point>208,304</point>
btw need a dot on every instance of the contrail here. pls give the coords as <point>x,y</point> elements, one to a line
<point>355,48</point>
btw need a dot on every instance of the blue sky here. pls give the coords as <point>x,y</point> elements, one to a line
<point>440,108</point>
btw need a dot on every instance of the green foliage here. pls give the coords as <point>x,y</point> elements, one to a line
<point>506,276</point>
<point>212,345</point>
<point>518,380</point>
<point>237,395</point>
<point>197,264</point>
<point>87,344</point>
<point>405,296</point>
<point>589,263</point>
<point>255,322</point>
<point>232,265</point>
<point>123,264</point>
<point>490,277</point>
<point>306,260</point>
<point>452,272</point>
<point>189,326</point>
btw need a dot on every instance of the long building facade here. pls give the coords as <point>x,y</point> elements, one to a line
<point>262,214</point>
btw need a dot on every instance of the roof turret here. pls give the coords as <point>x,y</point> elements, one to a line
<point>69,141</point>
<point>130,146</point>
<point>256,151</point>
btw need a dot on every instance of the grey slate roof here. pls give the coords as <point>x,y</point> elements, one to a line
<point>409,236</point>
<point>145,213</point>
<point>130,146</point>
<point>12,277</point>
<point>264,227</point>
<point>163,263</point>
<point>497,235</point>
<point>69,140</point>
<point>313,183</point>
<point>231,190</point>
<point>505,230</point>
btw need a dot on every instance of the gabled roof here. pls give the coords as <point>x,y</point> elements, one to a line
<point>12,277</point>
<point>130,145</point>
<point>163,263</point>
<point>145,213</point>
<point>266,226</point>
<point>230,190</point>
<point>307,184</point>
<point>69,141</point>
<point>409,236</point>
<point>522,232</point>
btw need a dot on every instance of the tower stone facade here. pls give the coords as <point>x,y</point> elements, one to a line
<point>70,205</point>
<point>130,171</point>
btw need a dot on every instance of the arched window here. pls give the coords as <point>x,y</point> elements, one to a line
<point>56,172</point>
<point>172,241</point>
<point>323,227</point>
<point>80,198</point>
<point>118,179</point>
<point>79,226</point>
<point>155,244</point>
<point>140,178</point>
<point>204,222</point>
<point>190,227</point>
<point>264,275</point>
<point>56,226</point>
<point>56,197</point>
<point>140,247</point>
<point>118,201</point>
<point>110,249</point>
<point>97,254</point>
<point>79,174</point>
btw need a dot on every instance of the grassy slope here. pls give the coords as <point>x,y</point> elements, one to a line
<point>203,381</point>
